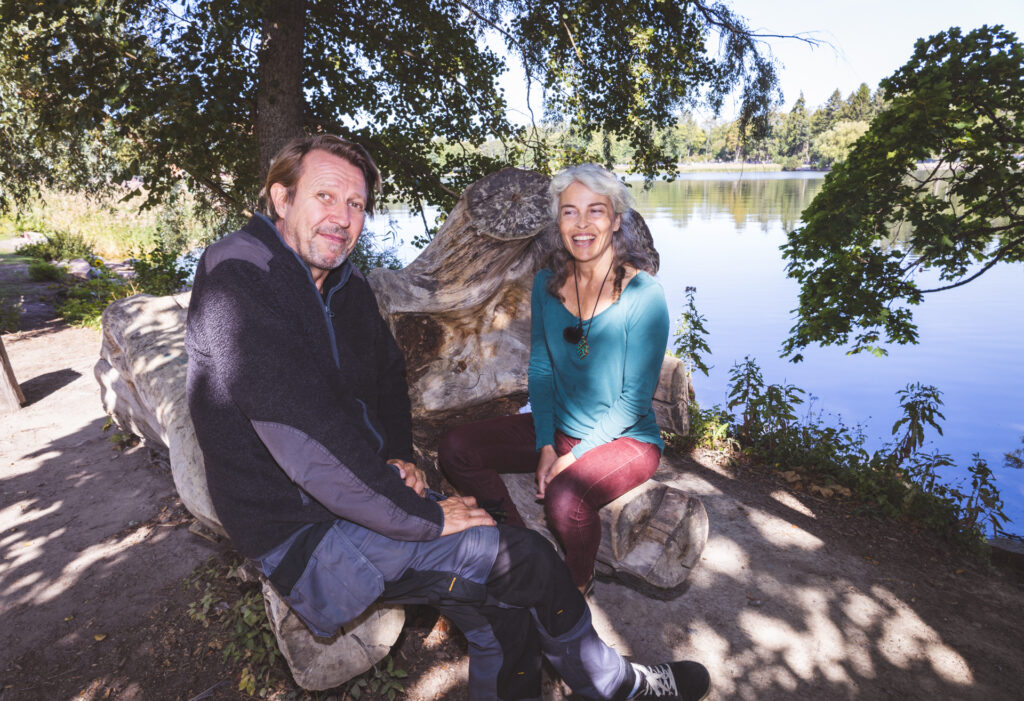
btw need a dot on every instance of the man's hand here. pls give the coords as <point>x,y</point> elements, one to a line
<point>461,513</point>
<point>414,477</point>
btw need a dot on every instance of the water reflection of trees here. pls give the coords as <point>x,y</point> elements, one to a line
<point>745,201</point>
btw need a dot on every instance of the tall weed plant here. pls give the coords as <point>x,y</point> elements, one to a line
<point>112,225</point>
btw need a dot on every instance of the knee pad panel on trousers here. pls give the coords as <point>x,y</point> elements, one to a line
<point>528,572</point>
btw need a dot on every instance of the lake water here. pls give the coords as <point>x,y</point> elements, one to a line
<point>721,234</point>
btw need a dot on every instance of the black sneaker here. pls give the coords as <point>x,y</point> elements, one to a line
<point>684,681</point>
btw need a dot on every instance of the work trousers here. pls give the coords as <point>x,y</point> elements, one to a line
<point>473,455</point>
<point>504,587</point>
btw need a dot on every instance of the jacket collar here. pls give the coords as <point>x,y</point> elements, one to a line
<point>261,224</point>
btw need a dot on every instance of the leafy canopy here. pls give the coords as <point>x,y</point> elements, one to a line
<point>206,89</point>
<point>935,184</point>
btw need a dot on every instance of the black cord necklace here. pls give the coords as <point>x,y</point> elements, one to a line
<point>575,334</point>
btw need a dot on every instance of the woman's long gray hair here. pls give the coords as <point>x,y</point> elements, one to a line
<point>627,244</point>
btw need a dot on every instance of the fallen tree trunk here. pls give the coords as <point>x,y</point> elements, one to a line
<point>461,313</point>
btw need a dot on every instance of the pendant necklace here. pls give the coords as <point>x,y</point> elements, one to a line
<point>576,334</point>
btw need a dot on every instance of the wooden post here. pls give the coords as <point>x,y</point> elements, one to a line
<point>11,398</point>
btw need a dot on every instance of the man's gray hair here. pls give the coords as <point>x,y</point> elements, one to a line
<point>594,178</point>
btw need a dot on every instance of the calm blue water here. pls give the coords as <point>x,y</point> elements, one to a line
<point>721,234</point>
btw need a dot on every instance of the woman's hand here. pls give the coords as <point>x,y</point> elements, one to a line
<point>548,469</point>
<point>548,456</point>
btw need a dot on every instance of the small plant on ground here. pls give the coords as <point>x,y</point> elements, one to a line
<point>380,682</point>
<point>900,479</point>
<point>10,314</point>
<point>237,607</point>
<point>121,440</point>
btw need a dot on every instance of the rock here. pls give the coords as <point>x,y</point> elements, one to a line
<point>324,663</point>
<point>80,268</point>
<point>651,536</point>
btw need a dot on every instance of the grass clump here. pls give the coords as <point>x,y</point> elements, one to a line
<point>44,271</point>
<point>58,245</point>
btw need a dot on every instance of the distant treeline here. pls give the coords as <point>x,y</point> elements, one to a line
<point>802,137</point>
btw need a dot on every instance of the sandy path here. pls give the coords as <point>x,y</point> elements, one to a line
<point>87,534</point>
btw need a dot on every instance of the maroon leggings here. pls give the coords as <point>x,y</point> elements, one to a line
<point>472,456</point>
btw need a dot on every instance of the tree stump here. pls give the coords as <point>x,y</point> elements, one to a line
<point>651,536</point>
<point>11,396</point>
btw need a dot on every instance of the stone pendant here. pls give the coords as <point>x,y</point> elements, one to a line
<point>582,348</point>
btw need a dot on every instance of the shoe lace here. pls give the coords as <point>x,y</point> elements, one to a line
<point>656,681</point>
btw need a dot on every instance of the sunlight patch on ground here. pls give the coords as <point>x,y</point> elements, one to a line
<point>788,500</point>
<point>905,638</point>
<point>438,681</point>
<point>21,513</point>
<point>725,556</point>
<point>820,648</point>
<point>107,550</point>
<point>605,624</point>
<point>26,581</point>
<point>782,533</point>
<point>17,469</point>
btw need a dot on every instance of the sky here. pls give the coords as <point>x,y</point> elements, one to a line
<point>870,39</point>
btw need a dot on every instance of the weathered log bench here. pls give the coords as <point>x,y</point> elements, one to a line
<point>461,314</point>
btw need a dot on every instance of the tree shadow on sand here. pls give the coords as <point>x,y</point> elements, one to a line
<point>798,598</point>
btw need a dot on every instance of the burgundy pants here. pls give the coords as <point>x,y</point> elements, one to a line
<point>472,456</point>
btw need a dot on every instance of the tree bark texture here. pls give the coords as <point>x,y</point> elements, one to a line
<point>11,397</point>
<point>461,310</point>
<point>279,99</point>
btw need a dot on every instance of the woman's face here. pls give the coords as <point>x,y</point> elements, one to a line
<point>586,221</point>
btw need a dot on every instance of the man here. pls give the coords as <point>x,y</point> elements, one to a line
<point>298,396</point>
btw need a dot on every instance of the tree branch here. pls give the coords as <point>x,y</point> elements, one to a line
<point>1003,250</point>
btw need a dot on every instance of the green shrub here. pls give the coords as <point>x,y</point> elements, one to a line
<point>157,272</point>
<point>899,479</point>
<point>10,314</point>
<point>369,254</point>
<point>59,245</point>
<point>43,271</point>
<point>85,300</point>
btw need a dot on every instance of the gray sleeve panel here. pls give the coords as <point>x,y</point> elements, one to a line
<point>320,473</point>
<point>238,246</point>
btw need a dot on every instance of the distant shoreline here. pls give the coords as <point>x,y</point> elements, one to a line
<point>731,167</point>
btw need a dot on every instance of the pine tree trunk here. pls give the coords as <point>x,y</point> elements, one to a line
<point>11,397</point>
<point>279,100</point>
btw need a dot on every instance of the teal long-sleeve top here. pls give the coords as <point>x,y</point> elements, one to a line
<point>607,394</point>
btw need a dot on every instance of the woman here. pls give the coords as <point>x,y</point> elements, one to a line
<point>599,333</point>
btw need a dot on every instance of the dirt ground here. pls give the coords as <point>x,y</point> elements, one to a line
<point>796,597</point>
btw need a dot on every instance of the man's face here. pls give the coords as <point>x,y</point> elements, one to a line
<point>323,221</point>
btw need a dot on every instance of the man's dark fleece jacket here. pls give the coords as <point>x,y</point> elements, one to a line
<point>298,398</point>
